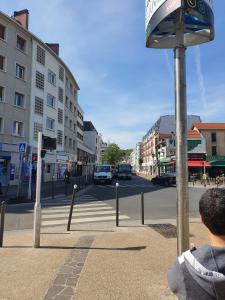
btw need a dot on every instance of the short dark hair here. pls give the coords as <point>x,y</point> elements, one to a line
<point>212,210</point>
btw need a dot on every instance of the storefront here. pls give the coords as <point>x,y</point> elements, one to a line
<point>5,159</point>
<point>217,164</point>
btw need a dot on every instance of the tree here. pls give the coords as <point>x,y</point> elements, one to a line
<point>112,154</point>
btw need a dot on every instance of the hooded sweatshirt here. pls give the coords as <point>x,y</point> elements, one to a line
<point>199,274</point>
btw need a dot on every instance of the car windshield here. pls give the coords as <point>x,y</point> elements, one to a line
<point>102,169</point>
<point>124,168</point>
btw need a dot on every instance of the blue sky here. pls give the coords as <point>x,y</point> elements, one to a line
<point>125,87</point>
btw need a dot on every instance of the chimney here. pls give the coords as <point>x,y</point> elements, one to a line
<point>54,47</point>
<point>22,17</point>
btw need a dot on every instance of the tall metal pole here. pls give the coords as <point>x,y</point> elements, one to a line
<point>30,174</point>
<point>181,138</point>
<point>37,207</point>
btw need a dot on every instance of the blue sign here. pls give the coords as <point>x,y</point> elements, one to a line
<point>22,147</point>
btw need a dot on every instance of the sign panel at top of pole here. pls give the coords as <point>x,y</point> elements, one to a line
<point>160,22</point>
<point>22,147</point>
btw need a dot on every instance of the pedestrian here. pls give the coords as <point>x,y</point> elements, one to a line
<point>200,273</point>
<point>66,175</point>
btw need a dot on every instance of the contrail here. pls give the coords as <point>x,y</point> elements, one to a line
<point>200,77</point>
<point>170,67</point>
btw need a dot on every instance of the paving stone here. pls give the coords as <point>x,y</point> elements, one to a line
<point>67,292</point>
<point>53,291</point>
<point>61,279</point>
<point>66,270</point>
<point>63,297</point>
<point>72,281</point>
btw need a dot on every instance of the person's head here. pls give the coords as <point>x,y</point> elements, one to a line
<point>212,210</point>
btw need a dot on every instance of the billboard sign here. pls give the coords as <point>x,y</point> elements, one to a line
<point>160,20</point>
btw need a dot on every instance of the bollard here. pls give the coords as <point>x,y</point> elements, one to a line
<point>71,207</point>
<point>117,205</point>
<point>3,207</point>
<point>53,191</point>
<point>142,209</point>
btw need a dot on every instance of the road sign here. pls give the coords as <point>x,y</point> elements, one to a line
<point>22,147</point>
<point>160,20</point>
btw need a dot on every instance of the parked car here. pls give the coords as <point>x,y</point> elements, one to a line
<point>167,179</point>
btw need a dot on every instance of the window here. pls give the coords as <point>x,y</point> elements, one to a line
<point>75,95</point>
<point>51,101</point>
<point>41,55</point>
<point>213,137</point>
<point>60,94</point>
<point>67,100</point>
<point>65,140</point>
<point>39,106</point>
<point>2,90</point>
<point>2,32</point>
<point>19,100</point>
<point>1,125</point>
<point>71,106</point>
<point>71,88</point>
<point>60,115</point>
<point>50,124</point>
<point>17,128</point>
<point>71,124</point>
<point>37,128</point>
<point>74,110</point>
<point>51,77</point>
<point>20,43</point>
<point>74,127</point>
<point>66,121</point>
<point>74,145</point>
<point>2,62</point>
<point>61,73</point>
<point>20,72</point>
<point>214,151</point>
<point>80,136</point>
<point>67,82</point>
<point>40,80</point>
<point>70,143</point>
<point>59,137</point>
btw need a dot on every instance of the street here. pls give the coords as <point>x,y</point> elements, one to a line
<point>97,204</point>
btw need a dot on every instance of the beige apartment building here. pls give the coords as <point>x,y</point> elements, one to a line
<point>15,89</point>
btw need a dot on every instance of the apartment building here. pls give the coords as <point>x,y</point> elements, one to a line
<point>15,91</point>
<point>38,92</point>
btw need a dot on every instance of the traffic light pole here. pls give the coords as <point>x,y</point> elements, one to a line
<point>37,207</point>
<point>181,138</point>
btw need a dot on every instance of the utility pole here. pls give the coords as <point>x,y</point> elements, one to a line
<point>37,207</point>
<point>181,138</point>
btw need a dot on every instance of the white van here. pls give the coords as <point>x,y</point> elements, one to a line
<point>103,174</point>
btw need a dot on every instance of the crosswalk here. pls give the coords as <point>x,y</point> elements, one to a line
<point>87,209</point>
<point>128,185</point>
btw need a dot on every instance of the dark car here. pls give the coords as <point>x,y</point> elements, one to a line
<point>167,179</point>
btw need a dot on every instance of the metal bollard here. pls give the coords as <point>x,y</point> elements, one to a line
<point>3,207</point>
<point>142,209</point>
<point>117,205</point>
<point>71,207</point>
<point>53,188</point>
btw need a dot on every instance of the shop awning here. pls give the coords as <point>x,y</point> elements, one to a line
<point>166,161</point>
<point>198,164</point>
<point>218,163</point>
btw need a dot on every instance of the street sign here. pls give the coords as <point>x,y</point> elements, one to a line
<point>160,22</point>
<point>22,147</point>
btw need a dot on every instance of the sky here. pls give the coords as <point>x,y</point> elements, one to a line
<point>124,86</point>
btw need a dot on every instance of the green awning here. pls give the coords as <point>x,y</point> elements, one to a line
<point>166,161</point>
<point>218,163</point>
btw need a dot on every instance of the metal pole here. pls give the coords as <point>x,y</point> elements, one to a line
<point>181,139</point>
<point>19,175</point>
<point>142,209</point>
<point>117,205</point>
<point>71,207</point>
<point>53,191</point>
<point>3,207</point>
<point>37,207</point>
<point>30,176</point>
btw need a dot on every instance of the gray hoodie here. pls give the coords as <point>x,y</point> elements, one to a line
<point>199,274</point>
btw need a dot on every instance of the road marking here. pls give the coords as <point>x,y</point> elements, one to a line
<point>79,214</point>
<point>45,212</point>
<point>83,220</point>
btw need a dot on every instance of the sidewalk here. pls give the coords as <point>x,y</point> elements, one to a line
<point>95,261</point>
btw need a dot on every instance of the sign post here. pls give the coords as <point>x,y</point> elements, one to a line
<point>177,24</point>
<point>22,150</point>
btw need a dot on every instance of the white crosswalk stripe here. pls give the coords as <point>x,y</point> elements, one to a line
<point>122,185</point>
<point>87,212</point>
<point>66,201</point>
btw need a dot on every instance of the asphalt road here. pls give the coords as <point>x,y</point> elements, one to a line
<point>160,203</point>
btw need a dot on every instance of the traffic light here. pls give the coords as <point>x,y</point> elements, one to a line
<point>48,143</point>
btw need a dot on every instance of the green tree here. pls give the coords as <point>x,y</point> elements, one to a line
<point>112,154</point>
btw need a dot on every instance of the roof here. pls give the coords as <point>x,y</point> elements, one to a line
<point>193,134</point>
<point>209,126</point>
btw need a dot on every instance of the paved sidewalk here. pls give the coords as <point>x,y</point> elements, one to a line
<point>95,261</point>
